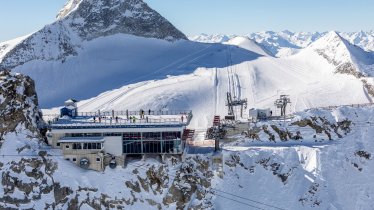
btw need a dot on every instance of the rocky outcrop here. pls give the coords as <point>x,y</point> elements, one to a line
<point>18,103</point>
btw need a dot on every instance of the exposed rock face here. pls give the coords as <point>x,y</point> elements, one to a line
<point>84,20</point>
<point>92,19</point>
<point>18,102</point>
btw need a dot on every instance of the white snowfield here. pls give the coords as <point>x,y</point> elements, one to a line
<point>308,78</point>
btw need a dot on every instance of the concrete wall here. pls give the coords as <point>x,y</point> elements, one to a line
<point>54,139</point>
<point>92,158</point>
<point>113,145</point>
<point>71,151</point>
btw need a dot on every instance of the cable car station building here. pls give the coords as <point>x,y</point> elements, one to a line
<point>96,140</point>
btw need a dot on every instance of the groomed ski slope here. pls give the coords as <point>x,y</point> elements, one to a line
<point>111,62</point>
<point>307,77</point>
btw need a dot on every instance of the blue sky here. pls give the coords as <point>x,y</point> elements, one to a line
<point>21,17</point>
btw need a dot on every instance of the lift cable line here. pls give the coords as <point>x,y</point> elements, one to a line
<point>239,202</point>
<point>282,103</point>
<point>220,191</point>
<point>233,99</point>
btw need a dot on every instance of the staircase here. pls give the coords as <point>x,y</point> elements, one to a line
<point>217,120</point>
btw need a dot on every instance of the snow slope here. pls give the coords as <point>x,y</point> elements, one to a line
<point>308,78</point>
<point>248,44</point>
<point>80,57</point>
<point>113,61</point>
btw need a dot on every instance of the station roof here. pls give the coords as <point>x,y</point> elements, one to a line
<point>121,121</point>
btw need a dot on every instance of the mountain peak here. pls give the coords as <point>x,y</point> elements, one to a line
<point>333,47</point>
<point>85,20</point>
<point>69,6</point>
<point>93,19</point>
<point>346,57</point>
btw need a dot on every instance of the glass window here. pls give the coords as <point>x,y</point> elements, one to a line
<point>171,135</point>
<point>149,136</point>
<point>131,136</point>
<point>67,146</point>
<point>74,159</point>
<point>98,159</point>
<point>112,134</point>
<point>98,145</point>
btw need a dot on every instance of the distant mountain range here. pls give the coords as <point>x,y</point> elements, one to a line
<point>287,43</point>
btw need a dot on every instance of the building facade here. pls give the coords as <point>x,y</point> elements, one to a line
<point>93,145</point>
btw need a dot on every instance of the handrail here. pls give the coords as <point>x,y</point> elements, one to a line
<point>132,113</point>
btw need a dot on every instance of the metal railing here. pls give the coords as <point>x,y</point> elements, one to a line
<point>121,119</point>
<point>133,113</point>
<point>87,123</point>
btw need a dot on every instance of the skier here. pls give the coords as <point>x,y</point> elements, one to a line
<point>182,118</point>
<point>94,119</point>
<point>116,119</point>
<point>149,112</point>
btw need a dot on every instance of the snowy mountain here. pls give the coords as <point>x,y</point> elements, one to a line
<point>286,43</point>
<point>311,78</point>
<point>280,44</point>
<point>217,38</point>
<point>346,57</point>
<point>83,54</point>
<point>365,40</point>
<point>85,20</point>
